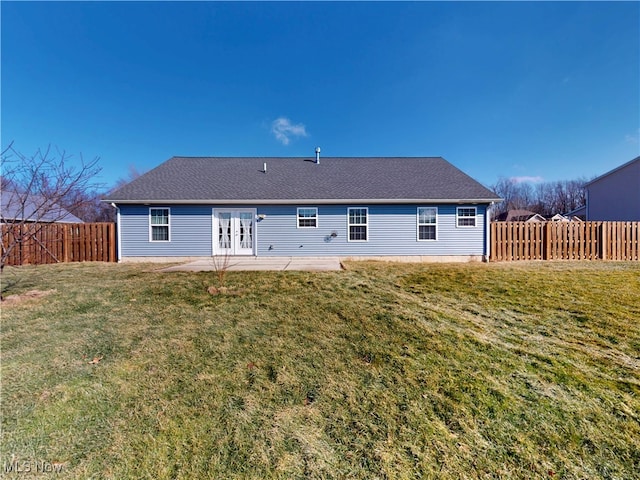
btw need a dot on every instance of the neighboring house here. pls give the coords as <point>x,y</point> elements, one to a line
<point>347,207</point>
<point>615,196</point>
<point>564,218</point>
<point>18,207</point>
<point>520,216</point>
<point>578,215</point>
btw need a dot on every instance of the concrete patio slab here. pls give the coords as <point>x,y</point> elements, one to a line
<point>261,263</point>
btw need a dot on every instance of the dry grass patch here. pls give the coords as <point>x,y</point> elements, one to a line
<point>22,297</point>
<point>378,371</point>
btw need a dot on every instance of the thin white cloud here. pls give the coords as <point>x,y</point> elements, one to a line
<point>526,179</point>
<point>633,139</point>
<point>284,130</point>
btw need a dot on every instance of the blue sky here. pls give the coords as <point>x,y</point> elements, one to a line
<point>546,90</point>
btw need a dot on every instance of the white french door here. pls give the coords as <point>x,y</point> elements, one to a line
<point>234,231</point>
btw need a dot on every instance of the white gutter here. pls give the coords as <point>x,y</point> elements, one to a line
<point>334,201</point>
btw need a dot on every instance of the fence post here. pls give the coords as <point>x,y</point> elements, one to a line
<point>491,240</point>
<point>113,255</point>
<point>547,241</point>
<point>65,242</point>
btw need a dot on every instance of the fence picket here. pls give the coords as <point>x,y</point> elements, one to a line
<point>53,243</point>
<point>512,241</point>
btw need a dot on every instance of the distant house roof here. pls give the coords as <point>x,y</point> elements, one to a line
<point>18,207</point>
<point>520,216</point>
<point>289,180</point>
<point>579,212</point>
<point>565,218</point>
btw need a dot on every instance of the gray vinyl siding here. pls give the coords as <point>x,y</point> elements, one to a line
<point>616,196</point>
<point>189,232</point>
<point>392,230</point>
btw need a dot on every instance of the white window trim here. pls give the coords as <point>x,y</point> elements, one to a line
<point>167,225</point>
<point>418,225</point>
<point>475,217</point>
<point>298,217</point>
<point>349,224</point>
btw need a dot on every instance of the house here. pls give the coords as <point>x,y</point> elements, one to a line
<point>520,216</point>
<point>422,208</point>
<point>564,218</point>
<point>578,214</point>
<point>615,196</point>
<point>16,207</point>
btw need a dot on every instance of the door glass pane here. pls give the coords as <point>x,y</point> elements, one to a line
<point>224,230</point>
<point>246,230</point>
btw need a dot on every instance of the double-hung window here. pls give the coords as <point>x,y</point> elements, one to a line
<point>307,217</point>
<point>358,223</point>
<point>159,224</point>
<point>427,223</point>
<point>466,216</point>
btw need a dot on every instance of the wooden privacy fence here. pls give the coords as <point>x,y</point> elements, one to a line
<point>59,242</point>
<point>511,241</point>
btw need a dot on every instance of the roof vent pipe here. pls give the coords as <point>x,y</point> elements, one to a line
<point>317,155</point>
<point>264,167</point>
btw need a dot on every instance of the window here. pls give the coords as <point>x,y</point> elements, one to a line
<point>357,224</point>
<point>159,224</point>
<point>307,217</point>
<point>427,223</point>
<point>466,216</point>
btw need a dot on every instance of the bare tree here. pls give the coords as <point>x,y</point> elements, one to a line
<point>88,206</point>
<point>513,195</point>
<point>546,199</point>
<point>39,189</point>
<point>132,174</point>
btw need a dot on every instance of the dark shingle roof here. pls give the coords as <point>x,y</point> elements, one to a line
<point>238,179</point>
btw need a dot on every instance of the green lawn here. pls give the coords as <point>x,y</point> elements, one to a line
<point>379,371</point>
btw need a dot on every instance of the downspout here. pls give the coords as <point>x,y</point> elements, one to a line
<point>487,228</point>
<point>118,231</point>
